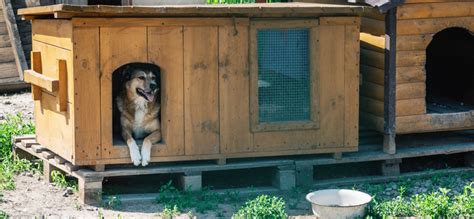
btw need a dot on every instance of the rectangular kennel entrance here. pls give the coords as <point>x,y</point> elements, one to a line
<point>259,80</point>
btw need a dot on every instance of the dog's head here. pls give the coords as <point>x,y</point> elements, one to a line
<point>142,81</point>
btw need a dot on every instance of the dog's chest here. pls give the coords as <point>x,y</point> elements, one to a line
<point>139,124</point>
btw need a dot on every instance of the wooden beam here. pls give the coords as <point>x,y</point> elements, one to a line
<point>41,81</point>
<point>62,84</point>
<point>390,82</point>
<point>36,67</point>
<point>15,38</point>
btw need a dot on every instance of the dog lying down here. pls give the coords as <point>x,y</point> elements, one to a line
<point>139,105</point>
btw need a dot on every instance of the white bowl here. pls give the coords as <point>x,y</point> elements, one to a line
<point>338,203</point>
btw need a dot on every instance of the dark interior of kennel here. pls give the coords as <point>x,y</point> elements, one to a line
<point>450,71</point>
<point>119,78</point>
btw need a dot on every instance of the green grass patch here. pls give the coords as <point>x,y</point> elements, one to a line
<point>438,204</point>
<point>13,125</point>
<point>59,179</point>
<point>200,201</point>
<point>263,207</point>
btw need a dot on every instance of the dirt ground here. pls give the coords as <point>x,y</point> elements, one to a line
<point>21,102</point>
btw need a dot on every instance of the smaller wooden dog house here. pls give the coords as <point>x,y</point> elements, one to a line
<point>417,66</point>
<point>237,80</point>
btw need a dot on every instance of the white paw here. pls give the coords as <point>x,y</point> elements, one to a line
<point>146,151</point>
<point>134,153</point>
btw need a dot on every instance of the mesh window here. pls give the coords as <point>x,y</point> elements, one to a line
<point>283,75</point>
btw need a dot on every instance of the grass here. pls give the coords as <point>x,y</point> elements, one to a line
<point>12,126</point>
<point>262,207</point>
<point>438,204</point>
<point>59,179</point>
<point>200,201</point>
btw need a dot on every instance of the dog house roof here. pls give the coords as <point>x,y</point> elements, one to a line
<point>382,5</point>
<point>248,10</point>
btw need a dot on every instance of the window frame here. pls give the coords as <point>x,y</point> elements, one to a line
<point>314,56</point>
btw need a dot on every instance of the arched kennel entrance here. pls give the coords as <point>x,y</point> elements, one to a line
<point>450,71</point>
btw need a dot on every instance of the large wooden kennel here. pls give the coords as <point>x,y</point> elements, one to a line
<point>417,67</point>
<point>217,99</point>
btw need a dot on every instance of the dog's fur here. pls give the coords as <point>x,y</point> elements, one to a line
<point>139,105</point>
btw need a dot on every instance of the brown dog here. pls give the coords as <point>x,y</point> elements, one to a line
<point>139,105</point>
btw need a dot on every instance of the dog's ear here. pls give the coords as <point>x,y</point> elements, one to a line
<point>157,72</point>
<point>126,73</point>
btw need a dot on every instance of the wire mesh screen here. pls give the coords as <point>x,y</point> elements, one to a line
<point>283,75</point>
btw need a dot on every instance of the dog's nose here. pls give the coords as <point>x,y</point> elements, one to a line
<point>153,86</point>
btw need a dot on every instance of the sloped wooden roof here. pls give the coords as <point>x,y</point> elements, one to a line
<point>250,10</point>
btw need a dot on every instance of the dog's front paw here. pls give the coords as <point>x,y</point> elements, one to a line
<point>146,151</point>
<point>135,154</point>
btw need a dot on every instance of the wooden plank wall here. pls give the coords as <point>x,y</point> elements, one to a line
<point>417,23</point>
<point>8,68</point>
<point>372,43</point>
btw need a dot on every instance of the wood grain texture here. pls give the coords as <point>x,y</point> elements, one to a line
<point>54,129</point>
<point>351,83</point>
<point>411,58</point>
<point>434,122</point>
<point>404,107</point>
<point>413,42</point>
<point>49,62</point>
<point>204,10</point>
<point>36,65</point>
<point>165,49</point>
<point>113,54</point>
<point>87,105</point>
<point>332,85</point>
<point>435,10</point>
<point>235,135</point>
<point>201,102</point>
<point>372,26</point>
<point>54,32</point>
<point>372,58</point>
<point>432,25</point>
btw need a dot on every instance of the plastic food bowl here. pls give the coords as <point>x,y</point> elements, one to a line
<point>338,203</point>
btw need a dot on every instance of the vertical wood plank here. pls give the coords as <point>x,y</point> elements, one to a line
<point>201,87</point>
<point>234,90</point>
<point>62,77</point>
<point>165,49</point>
<point>351,56</point>
<point>87,103</point>
<point>118,46</point>
<point>36,66</point>
<point>332,84</point>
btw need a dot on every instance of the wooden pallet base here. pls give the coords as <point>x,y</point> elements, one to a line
<point>90,180</point>
<point>287,172</point>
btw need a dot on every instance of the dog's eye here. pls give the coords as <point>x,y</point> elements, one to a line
<point>141,77</point>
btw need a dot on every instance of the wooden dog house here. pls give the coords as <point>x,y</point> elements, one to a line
<point>417,67</point>
<point>227,72</point>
